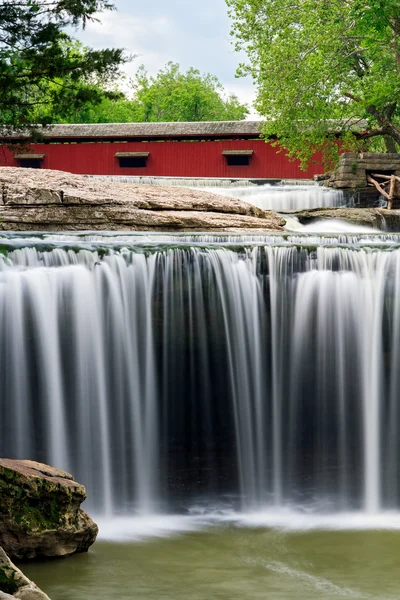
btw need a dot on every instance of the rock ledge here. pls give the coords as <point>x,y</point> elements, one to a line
<point>45,200</point>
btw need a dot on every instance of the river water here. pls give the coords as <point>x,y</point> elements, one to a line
<point>230,402</point>
<point>229,563</point>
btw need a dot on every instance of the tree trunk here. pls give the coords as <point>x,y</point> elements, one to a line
<point>391,146</point>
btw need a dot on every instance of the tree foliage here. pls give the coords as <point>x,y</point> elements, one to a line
<point>171,95</point>
<point>41,66</point>
<point>319,65</point>
<point>175,96</point>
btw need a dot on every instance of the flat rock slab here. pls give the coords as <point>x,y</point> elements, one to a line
<point>40,514</point>
<point>370,217</point>
<point>39,200</point>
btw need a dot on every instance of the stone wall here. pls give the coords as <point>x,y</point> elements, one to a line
<point>351,170</point>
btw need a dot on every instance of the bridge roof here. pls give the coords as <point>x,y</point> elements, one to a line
<point>148,130</point>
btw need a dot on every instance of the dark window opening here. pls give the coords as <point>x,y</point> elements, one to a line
<point>30,163</point>
<point>132,162</point>
<point>238,160</point>
<point>379,172</point>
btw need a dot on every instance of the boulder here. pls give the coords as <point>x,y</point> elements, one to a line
<point>40,200</point>
<point>40,514</point>
<point>14,584</point>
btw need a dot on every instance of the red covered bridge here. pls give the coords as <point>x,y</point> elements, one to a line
<point>227,149</point>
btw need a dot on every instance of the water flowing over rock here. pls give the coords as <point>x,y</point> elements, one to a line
<point>14,584</point>
<point>260,368</point>
<point>40,514</point>
<point>287,197</point>
<point>36,200</point>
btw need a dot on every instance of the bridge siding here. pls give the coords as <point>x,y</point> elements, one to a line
<point>169,158</point>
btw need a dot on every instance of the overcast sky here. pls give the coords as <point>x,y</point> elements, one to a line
<point>189,32</point>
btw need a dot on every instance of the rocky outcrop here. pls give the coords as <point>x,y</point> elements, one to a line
<point>388,220</point>
<point>39,200</point>
<point>14,584</point>
<point>361,216</point>
<point>40,514</point>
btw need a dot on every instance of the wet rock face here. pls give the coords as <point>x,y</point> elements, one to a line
<point>40,514</point>
<point>40,200</point>
<point>14,584</point>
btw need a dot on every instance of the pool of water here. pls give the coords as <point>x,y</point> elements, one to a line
<point>228,562</point>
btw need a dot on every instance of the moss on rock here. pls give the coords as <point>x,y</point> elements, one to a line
<point>40,512</point>
<point>14,584</point>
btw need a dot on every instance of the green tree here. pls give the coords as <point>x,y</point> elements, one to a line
<point>169,96</point>
<point>321,65</point>
<point>40,65</point>
<point>175,96</point>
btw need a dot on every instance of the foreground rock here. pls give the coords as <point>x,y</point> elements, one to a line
<point>40,514</point>
<point>40,200</point>
<point>14,584</point>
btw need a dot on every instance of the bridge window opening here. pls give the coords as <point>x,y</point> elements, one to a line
<point>238,161</point>
<point>132,163</point>
<point>132,160</point>
<point>30,161</point>
<point>238,158</point>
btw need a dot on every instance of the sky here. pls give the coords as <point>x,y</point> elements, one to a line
<point>193,33</point>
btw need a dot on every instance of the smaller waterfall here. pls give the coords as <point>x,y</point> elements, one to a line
<point>289,195</point>
<point>191,182</point>
<point>285,197</point>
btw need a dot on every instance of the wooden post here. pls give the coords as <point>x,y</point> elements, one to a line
<point>379,188</point>
<point>391,191</point>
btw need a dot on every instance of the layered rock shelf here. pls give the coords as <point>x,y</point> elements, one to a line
<point>45,200</point>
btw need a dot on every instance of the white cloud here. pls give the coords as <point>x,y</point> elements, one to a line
<point>189,32</point>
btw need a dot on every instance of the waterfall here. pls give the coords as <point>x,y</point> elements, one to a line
<point>193,182</point>
<point>285,196</point>
<point>164,370</point>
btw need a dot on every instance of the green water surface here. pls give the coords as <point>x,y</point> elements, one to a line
<point>231,563</point>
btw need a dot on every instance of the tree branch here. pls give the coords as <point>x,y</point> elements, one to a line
<point>349,95</point>
<point>364,135</point>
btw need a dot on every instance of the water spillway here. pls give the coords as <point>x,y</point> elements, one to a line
<point>284,195</point>
<point>168,370</point>
<point>287,197</point>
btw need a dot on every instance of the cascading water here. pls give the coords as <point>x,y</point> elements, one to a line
<point>166,369</point>
<point>286,197</point>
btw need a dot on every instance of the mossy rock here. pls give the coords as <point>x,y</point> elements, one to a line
<point>40,514</point>
<point>14,584</point>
